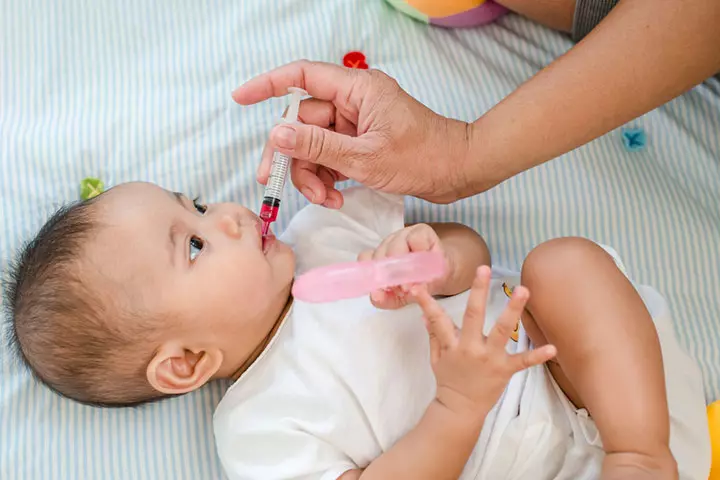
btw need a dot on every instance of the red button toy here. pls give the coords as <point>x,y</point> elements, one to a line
<point>355,60</point>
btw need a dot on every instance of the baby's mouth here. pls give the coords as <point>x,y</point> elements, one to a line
<point>267,242</point>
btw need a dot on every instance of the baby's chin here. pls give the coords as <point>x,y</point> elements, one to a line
<point>250,324</point>
<point>279,253</point>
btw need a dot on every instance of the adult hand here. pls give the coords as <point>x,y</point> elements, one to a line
<point>361,125</point>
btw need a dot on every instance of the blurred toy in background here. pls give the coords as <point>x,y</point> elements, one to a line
<point>91,187</point>
<point>451,13</point>
<point>713,411</point>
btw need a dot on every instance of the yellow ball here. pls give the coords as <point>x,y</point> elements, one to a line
<point>713,413</point>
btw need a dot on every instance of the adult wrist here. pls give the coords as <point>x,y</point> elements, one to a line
<point>486,165</point>
<point>470,163</point>
<point>456,177</point>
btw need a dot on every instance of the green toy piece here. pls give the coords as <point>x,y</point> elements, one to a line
<point>91,187</point>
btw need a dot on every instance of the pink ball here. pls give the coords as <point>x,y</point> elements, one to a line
<point>483,14</point>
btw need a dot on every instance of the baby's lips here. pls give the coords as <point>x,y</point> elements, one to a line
<point>267,243</point>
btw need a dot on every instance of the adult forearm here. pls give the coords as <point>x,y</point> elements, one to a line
<point>645,53</point>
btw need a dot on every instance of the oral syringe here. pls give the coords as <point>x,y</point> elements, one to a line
<point>279,169</point>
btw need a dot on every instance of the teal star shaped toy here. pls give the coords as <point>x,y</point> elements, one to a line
<point>634,139</point>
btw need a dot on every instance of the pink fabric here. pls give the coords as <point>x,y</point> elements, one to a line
<point>486,13</point>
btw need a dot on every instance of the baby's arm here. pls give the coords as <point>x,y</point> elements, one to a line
<point>471,371</point>
<point>436,449</point>
<point>465,250</point>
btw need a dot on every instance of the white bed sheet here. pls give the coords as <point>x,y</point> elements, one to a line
<point>127,90</point>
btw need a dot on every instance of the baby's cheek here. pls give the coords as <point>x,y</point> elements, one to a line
<point>241,274</point>
<point>233,295</point>
<point>245,276</point>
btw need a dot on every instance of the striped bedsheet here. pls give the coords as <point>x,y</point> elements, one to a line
<point>127,90</point>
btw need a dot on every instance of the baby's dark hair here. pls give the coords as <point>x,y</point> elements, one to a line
<point>60,320</point>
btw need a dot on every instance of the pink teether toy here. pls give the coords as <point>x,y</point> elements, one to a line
<point>355,279</point>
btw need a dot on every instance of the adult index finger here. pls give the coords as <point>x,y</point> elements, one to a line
<point>324,81</point>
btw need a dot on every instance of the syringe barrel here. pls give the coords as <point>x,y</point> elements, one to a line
<point>280,165</point>
<point>278,174</point>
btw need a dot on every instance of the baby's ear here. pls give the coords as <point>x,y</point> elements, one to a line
<point>175,370</point>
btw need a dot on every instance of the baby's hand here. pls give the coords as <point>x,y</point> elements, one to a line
<point>416,238</point>
<point>472,370</point>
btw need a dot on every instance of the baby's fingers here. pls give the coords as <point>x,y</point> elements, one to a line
<point>438,323</point>
<point>422,238</point>
<point>435,349</point>
<point>388,299</point>
<point>365,255</point>
<point>474,319</point>
<point>538,356</point>
<point>505,325</point>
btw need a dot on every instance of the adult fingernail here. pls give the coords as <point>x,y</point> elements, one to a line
<point>309,194</point>
<point>285,137</point>
<point>333,200</point>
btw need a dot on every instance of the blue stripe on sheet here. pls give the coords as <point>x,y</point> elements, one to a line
<point>141,90</point>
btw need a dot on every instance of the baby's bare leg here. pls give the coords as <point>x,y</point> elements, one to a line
<point>609,359</point>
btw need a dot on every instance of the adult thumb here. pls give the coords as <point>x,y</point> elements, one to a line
<point>317,145</point>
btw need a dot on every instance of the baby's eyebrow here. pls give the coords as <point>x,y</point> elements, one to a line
<point>175,227</point>
<point>172,247</point>
<point>172,231</point>
<point>179,197</point>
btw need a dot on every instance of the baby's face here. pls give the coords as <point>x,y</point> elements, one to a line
<point>201,270</point>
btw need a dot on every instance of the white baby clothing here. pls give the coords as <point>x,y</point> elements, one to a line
<point>340,383</point>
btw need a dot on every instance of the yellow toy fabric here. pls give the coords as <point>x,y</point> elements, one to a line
<point>713,413</point>
<point>451,13</point>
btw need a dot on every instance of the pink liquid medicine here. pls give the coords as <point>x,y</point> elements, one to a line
<point>356,279</point>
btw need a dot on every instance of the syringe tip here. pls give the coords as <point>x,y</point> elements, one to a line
<point>294,107</point>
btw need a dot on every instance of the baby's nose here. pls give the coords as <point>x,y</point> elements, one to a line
<point>229,225</point>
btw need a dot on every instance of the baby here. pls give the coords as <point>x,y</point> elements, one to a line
<point>142,293</point>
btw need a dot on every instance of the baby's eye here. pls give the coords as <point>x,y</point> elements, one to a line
<point>199,206</point>
<point>196,246</point>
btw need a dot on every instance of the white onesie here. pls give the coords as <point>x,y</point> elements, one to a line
<point>342,382</point>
